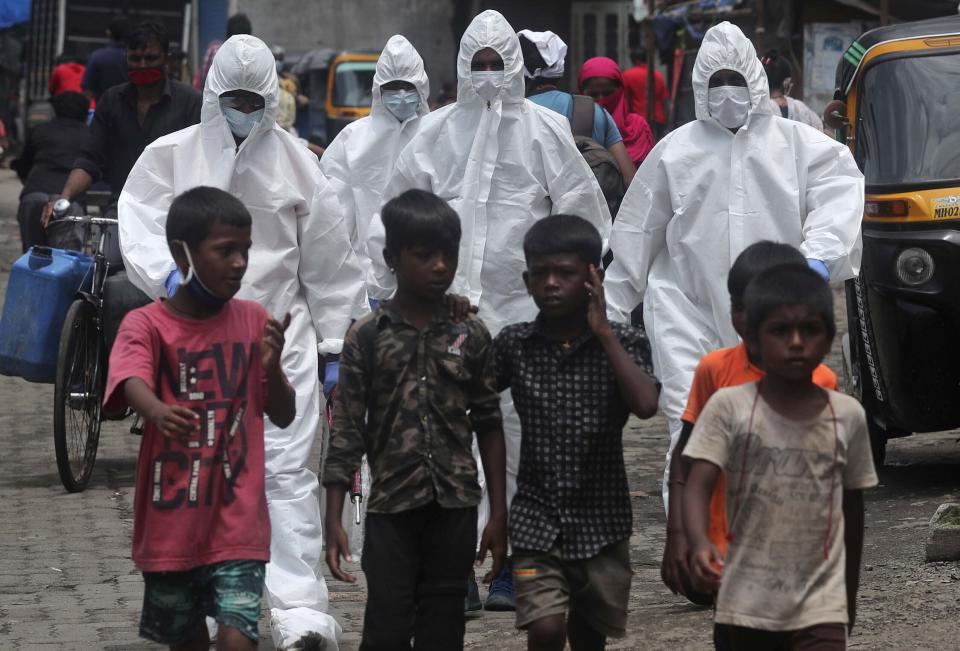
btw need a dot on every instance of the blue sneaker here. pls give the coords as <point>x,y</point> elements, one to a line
<point>501,597</point>
<point>472,601</point>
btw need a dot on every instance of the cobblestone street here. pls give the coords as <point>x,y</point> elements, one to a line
<point>67,582</point>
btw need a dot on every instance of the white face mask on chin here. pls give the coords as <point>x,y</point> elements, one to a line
<point>487,83</point>
<point>729,105</point>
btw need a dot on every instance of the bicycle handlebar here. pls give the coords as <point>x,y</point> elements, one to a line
<point>88,219</point>
<point>61,207</point>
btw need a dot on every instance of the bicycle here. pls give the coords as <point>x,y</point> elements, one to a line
<point>81,366</point>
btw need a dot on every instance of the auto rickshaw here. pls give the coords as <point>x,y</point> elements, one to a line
<point>349,88</point>
<point>897,107</point>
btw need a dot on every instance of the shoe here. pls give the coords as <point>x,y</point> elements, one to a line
<point>501,597</point>
<point>472,601</point>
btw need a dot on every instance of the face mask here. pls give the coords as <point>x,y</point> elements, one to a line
<point>241,124</point>
<point>402,103</point>
<point>145,76</point>
<point>729,105</point>
<point>610,102</point>
<point>279,67</point>
<point>487,83</point>
<point>196,287</point>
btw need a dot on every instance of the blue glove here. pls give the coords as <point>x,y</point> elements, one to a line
<point>819,267</point>
<point>173,282</point>
<point>331,376</point>
<point>373,303</point>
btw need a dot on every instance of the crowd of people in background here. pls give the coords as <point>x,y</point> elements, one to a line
<point>468,272</point>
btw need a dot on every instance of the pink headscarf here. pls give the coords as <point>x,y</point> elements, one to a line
<point>637,136</point>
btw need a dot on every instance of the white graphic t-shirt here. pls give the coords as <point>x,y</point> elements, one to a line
<point>785,562</point>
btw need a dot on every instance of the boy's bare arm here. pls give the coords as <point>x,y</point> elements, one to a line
<point>853,542</point>
<point>705,561</point>
<point>494,538</point>
<point>173,421</point>
<point>636,388</point>
<point>674,567</point>
<point>338,546</point>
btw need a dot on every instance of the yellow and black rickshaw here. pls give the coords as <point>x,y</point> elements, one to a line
<point>349,85</point>
<point>898,108</point>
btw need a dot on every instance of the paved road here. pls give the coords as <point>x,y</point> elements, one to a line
<point>66,581</point>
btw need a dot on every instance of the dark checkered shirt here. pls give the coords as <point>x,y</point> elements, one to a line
<point>572,485</point>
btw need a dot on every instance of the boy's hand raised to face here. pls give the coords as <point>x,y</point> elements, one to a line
<point>272,343</point>
<point>597,307</point>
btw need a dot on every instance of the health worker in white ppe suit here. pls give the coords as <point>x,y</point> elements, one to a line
<point>360,159</point>
<point>736,175</point>
<point>502,163</point>
<point>358,164</point>
<point>301,262</point>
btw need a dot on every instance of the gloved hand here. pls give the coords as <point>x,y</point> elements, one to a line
<point>172,283</point>
<point>331,376</point>
<point>819,267</point>
<point>373,303</point>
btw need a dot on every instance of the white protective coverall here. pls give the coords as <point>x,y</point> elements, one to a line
<point>703,195</point>
<point>502,165</point>
<point>301,262</point>
<point>358,164</point>
<point>360,159</point>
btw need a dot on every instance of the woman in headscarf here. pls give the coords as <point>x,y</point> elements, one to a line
<point>601,79</point>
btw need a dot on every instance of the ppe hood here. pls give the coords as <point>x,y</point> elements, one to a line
<point>400,61</point>
<point>244,62</point>
<point>490,30</point>
<point>724,47</point>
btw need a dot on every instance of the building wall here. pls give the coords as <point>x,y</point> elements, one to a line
<point>360,24</point>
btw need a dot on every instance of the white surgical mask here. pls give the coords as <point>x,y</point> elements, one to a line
<point>729,105</point>
<point>402,103</point>
<point>487,83</point>
<point>241,124</point>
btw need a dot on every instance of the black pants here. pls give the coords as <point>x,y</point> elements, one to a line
<point>417,563</point>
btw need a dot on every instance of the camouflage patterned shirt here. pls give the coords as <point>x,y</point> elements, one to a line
<point>411,400</point>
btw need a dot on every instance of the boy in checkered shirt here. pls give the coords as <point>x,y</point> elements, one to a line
<point>575,378</point>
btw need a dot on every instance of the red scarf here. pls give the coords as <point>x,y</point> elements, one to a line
<point>637,136</point>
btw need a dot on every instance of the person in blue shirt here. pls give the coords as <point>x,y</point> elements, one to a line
<point>543,55</point>
<point>107,66</point>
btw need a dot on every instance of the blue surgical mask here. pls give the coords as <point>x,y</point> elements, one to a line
<point>196,287</point>
<point>241,124</point>
<point>403,104</point>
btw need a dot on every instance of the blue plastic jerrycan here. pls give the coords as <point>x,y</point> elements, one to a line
<point>43,283</point>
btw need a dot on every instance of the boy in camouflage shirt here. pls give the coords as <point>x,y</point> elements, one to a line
<point>414,387</point>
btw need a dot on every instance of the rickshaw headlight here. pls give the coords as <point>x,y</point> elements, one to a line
<point>914,267</point>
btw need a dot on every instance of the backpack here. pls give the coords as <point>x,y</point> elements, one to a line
<point>601,161</point>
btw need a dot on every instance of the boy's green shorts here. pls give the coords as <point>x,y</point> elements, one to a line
<point>175,603</point>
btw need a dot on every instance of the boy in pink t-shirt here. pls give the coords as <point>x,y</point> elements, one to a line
<point>201,369</point>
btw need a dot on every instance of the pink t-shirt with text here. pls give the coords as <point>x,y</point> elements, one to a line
<point>202,501</point>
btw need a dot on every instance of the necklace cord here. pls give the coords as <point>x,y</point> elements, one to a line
<point>833,472</point>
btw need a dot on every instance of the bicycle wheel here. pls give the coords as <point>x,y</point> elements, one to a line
<point>77,396</point>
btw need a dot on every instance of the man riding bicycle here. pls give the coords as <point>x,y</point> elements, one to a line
<point>128,118</point>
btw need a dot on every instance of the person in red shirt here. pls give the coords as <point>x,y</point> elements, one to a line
<point>722,368</point>
<point>202,368</point>
<point>67,75</point>
<point>635,81</point>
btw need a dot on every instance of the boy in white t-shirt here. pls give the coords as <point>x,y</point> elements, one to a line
<point>796,458</point>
